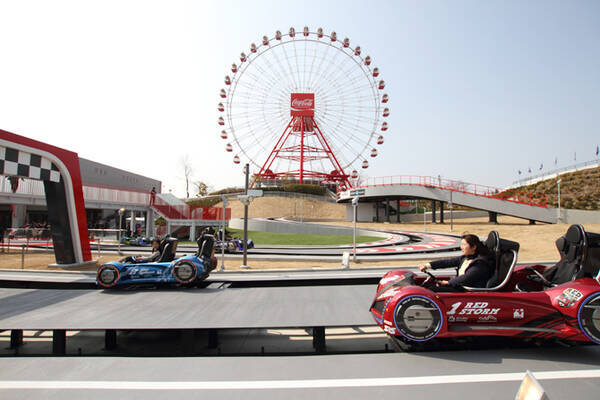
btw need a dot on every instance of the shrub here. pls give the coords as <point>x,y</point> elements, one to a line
<point>227,191</point>
<point>208,202</point>
<point>308,189</point>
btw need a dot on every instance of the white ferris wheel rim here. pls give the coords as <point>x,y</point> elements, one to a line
<point>349,113</point>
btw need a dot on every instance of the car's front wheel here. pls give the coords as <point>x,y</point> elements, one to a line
<point>418,318</point>
<point>184,272</point>
<point>107,275</point>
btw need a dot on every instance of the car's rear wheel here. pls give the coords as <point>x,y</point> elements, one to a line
<point>589,317</point>
<point>418,318</point>
<point>184,272</point>
<point>107,275</point>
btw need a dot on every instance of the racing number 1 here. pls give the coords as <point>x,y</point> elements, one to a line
<point>453,308</point>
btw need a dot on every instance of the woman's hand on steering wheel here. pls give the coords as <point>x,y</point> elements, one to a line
<point>431,279</point>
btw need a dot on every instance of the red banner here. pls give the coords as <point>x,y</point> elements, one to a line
<point>302,105</point>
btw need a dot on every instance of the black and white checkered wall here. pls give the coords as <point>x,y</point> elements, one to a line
<point>20,163</point>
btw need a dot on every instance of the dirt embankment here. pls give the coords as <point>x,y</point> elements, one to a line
<point>281,207</point>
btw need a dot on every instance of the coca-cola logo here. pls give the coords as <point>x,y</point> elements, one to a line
<point>304,103</point>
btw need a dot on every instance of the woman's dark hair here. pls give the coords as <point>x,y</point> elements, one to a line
<point>473,241</point>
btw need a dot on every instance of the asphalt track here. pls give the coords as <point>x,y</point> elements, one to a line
<point>208,308</point>
<point>494,374</point>
<point>398,243</point>
<point>571,373</point>
<point>66,278</point>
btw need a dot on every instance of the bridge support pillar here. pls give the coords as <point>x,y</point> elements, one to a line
<point>187,342</point>
<point>16,338</point>
<point>59,342</point>
<point>193,232</point>
<point>319,339</point>
<point>376,211</point>
<point>387,209</point>
<point>433,218</point>
<point>397,210</point>
<point>110,339</point>
<point>493,217</point>
<point>441,212</point>
<point>213,339</point>
<point>150,223</point>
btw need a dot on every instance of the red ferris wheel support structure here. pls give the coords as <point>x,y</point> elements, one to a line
<point>302,125</point>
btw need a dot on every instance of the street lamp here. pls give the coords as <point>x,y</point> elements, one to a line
<point>246,202</point>
<point>558,184</point>
<point>224,200</point>
<point>121,211</point>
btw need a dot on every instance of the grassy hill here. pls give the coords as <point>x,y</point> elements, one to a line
<point>578,190</point>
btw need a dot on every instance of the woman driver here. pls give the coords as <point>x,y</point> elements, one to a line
<point>474,269</point>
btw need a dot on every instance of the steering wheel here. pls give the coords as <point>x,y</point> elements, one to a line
<point>431,279</point>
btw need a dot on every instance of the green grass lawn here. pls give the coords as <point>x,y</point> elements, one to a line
<point>270,238</point>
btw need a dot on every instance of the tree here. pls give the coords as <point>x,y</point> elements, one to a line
<point>187,173</point>
<point>201,188</point>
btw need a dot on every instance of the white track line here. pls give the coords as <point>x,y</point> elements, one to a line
<point>295,384</point>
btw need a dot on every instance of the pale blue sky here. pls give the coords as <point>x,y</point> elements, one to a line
<point>479,89</point>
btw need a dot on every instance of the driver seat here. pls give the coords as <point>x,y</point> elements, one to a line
<point>168,247</point>
<point>571,256</point>
<point>206,245</point>
<point>503,256</point>
<point>572,248</point>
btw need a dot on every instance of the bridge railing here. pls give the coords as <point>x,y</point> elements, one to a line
<point>532,199</point>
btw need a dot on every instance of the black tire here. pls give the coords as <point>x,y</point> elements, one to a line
<point>184,272</point>
<point>589,317</point>
<point>107,276</point>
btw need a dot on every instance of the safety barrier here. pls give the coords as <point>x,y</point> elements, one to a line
<point>186,212</point>
<point>24,247</point>
<point>532,199</point>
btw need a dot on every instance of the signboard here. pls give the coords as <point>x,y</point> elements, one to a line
<point>357,192</point>
<point>255,192</point>
<point>302,105</point>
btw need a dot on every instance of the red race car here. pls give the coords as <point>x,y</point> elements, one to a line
<point>561,302</point>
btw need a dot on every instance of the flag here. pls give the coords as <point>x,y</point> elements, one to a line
<point>555,161</point>
<point>597,150</point>
<point>575,156</point>
<point>541,166</point>
<point>529,170</point>
<point>519,172</point>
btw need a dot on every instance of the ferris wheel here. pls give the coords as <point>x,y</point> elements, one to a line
<point>304,105</point>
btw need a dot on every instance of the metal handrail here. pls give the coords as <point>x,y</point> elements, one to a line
<point>532,199</point>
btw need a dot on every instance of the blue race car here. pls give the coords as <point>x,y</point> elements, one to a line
<point>186,270</point>
<point>136,241</point>
<point>234,245</point>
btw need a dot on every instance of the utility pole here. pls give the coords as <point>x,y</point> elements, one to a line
<point>558,183</point>
<point>224,200</point>
<point>245,259</point>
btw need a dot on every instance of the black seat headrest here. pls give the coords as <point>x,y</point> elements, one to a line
<point>575,234</point>
<point>492,241</point>
<point>507,245</point>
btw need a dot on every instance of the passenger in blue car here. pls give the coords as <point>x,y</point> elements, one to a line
<point>152,258</point>
<point>474,268</point>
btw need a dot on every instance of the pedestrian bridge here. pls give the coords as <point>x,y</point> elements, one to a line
<point>495,201</point>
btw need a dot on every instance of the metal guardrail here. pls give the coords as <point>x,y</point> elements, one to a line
<point>532,199</point>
